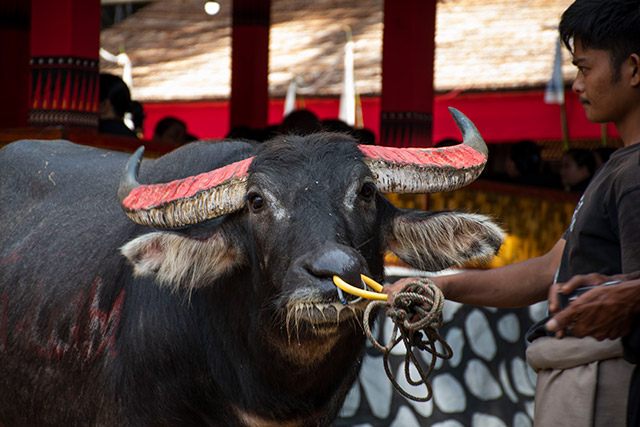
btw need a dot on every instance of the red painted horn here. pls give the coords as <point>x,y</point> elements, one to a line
<point>209,195</point>
<point>429,170</point>
<point>185,201</point>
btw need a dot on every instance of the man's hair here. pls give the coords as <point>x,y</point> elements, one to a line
<point>115,90</point>
<point>611,25</point>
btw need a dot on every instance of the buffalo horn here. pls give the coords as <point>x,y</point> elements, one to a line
<point>184,201</point>
<point>429,170</point>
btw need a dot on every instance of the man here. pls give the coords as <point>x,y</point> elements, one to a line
<point>582,381</point>
<point>114,103</point>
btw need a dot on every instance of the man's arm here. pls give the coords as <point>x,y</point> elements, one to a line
<point>515,285</point>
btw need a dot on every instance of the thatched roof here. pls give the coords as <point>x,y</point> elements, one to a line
<point>180,53</point>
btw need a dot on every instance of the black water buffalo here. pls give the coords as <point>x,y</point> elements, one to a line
<point>207,299</point>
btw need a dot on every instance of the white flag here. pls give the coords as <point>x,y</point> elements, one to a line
<point>554,94</point>
<point>348,97</point>
<point>290,99</point>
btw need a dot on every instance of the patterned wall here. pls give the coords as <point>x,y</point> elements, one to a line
<point>487,382</point>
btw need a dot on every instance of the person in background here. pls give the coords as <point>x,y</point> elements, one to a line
<point>336,125</point>
<point>524,165</point>
<point>114,102</point>
<point>602,154</point>
<point>171,130</point>
<point>300,122</point>
<point>577,167</point>
<point>583,381</point>
<point>364,136</point>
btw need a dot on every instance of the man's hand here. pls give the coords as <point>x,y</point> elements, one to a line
<point>603,312</point>
<point>574,283</point>
<point>393,288</point>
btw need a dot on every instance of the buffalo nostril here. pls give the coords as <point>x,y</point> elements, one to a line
<point>345,263</point>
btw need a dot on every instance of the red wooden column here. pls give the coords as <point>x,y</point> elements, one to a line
<point>65,41</point>
<point>406,107</point>
<point>250,63</point>
<point>14,72</point>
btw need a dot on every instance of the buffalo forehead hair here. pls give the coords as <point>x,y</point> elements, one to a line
<point>313,153</point>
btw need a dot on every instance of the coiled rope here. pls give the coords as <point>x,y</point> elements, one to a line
<point>416,312</point>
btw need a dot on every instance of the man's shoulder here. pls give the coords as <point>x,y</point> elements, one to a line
<point>623,166</point>
<point>617,178</point>
<point>628,156</point>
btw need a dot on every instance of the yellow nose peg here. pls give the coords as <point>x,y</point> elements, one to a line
<point>377,287</point>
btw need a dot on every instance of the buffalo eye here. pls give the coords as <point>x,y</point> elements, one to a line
<point>256,202</point>
<point>367,192</point>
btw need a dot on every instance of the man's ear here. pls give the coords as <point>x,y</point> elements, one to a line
<point>634,64</point>
<point>181,262</point>
<point>435,241</point>
<point>105,108</point>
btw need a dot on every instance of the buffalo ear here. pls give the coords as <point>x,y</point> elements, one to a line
<point>435,241</point>
<point>181,262</point>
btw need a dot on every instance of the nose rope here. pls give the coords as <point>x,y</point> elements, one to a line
<point>416,312</point>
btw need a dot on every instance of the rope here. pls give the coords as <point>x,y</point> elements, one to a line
<point>416,313</point>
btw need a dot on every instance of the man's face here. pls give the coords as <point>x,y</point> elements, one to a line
<point>600,93</point>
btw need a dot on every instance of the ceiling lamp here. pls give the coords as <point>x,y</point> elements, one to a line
<point>212,7</point>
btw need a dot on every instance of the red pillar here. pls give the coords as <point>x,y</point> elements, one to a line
<point>406,116</point>
<point>14,72</point>
<point>250,63</point>
<point>65,41</point>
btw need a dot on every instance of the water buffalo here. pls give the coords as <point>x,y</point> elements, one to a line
<point>206,297</point>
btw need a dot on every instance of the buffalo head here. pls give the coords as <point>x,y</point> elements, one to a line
<point>279,225</point>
